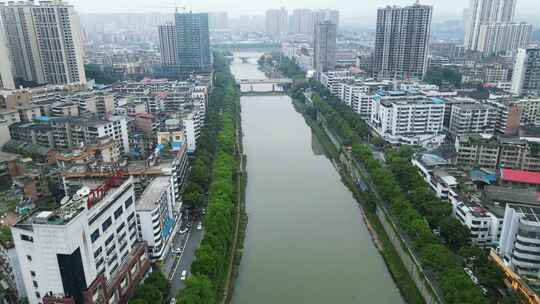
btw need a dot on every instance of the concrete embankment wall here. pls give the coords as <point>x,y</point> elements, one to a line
<point>411,265</point>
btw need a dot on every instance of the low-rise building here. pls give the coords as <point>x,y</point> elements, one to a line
<point>475,118</point>
<point>10,272</point>
<point>332,80</point>
<point>484,225</point>
<point>519,178</point>
<point>497,152</point>
<point>408,119</point>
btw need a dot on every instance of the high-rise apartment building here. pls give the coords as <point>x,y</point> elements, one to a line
<point>277,22</point>
<point>44,41</point>
<point>323,15</point>
<point>302,21</point>
<point>167,44</point>
<point>495,38</point>
<point>482,12</point>
<point>6,76</point>
<point>402,41</point>
<point>324,47</point>
<point>526,75</point>
<point>192,42</point>
<point>218,21</point>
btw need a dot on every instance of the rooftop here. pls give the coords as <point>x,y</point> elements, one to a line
<point>87,197</point>
<point>520,176</point>
<point>152,193</point>
<point>504,195</point>
<point>529,213</point>
<point>432,160</point>
<point>5,156</point>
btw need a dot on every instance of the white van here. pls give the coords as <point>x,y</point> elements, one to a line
<point>183,276</point>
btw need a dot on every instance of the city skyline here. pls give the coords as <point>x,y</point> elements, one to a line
<point>350,10</point>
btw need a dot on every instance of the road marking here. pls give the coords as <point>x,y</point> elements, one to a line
<point>179,261</point>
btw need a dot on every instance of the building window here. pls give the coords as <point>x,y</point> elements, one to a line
<point>124,282</point>
<point>32,273</point>
<point>133,270</point>
<point>95,235</point>
<point>118,212</point>
<point>106,224</point>
<point>120,227</point>
<point>27,238</point>
<point>128,202</point>
<point>29,258</point>
<point>38,295</point>
<point>35,284</point>
<point>97,252</point>
<point>109,240</point>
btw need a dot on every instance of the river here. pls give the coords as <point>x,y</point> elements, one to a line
<point>306,241</point>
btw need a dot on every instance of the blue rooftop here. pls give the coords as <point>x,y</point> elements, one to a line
<point>437,100</point>
<point>41,118</point>
<point>479,175</point>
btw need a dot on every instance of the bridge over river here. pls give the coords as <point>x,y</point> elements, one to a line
<point>262,85</point>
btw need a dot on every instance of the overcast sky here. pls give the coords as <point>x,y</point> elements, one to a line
<point>350,9</point>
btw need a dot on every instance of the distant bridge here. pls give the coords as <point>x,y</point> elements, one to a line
<point>280,81</point>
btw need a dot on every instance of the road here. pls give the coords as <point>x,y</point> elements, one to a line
<point>183,262</point>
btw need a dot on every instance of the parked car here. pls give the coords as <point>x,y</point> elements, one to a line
<point>471,275</point>
<point>173,301</point>
<point>199,226</point>
<point>184,275</point>
<point>484,290</point>
<point>177,250</point>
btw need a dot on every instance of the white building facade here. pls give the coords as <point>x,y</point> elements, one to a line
<point>526,75</point>
<point>414,120</point>
<point>75,252</point>
<point>156,215</point>
<point>497,38</point>
<point>520,242</point>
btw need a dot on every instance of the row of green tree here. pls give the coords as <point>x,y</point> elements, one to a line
<point>414,218</point>
<point>101,74</point>
<point>154,290</point>
<point>214,173</point>
<point>287,66</point>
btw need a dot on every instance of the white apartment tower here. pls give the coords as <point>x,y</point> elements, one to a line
<point>6,77</point>
<point>402,41</point>
<point>302,21</point>
<point>482,12</point>
<point>495,38</point>
<point>167,44</point>
<point>45,41</point>
<point>277,22</point>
